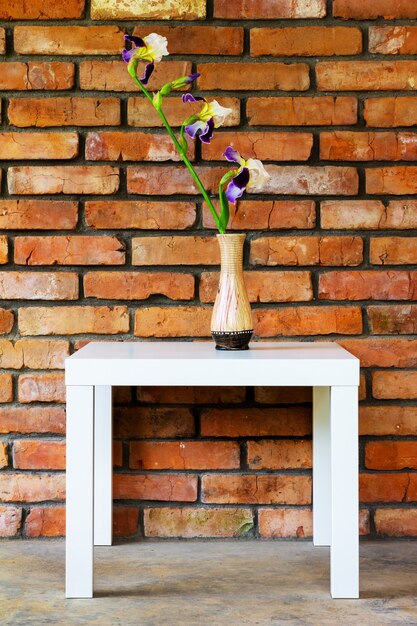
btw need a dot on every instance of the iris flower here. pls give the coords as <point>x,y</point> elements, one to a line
<point>251,173</point>
<point>151,48</point>
<point>211,116</point>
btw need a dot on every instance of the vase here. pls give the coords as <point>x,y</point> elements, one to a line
<point>231,322</point>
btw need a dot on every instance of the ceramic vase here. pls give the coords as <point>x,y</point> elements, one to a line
<point>231,322</point>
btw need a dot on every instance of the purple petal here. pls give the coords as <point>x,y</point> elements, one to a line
<point>192,77</point>
<point>127,54</point>
<point>237,185</point>
<point>193,129</point>
<point>135,40</point>
<point>147,74</point>
<point>208,132</point>
<point>232,155</point>
<point>188,97</point>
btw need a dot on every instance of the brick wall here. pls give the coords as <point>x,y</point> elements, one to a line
<point>104,236</point>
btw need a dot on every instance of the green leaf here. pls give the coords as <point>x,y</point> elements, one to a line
<point>243,530</point>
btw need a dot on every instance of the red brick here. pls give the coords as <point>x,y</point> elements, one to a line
<point>73,320</point>
<point>313,320</point>
<point>396,522</point>
<point>370,10</point>
<point>286,523</point>
<point>305,41</point>
<point>202,522</point>
<point>38,285</point>
<point>138,285</point>
<point>393,39</point>
<point>164,487</point>
<point>283,395</point>
<point>76,179</point>
<point>4,457</point>
<point>254,422</point>
<point>256,489</point>
<point>387,420</point>
<point>393,320</point>
<point>171,179</point>
<point>33,353</point>
<point>309,180</point>
<point>41,10</point>
<point>38,146</point>
<point>378,487</point>
<point>141,113</point>
<point>36,75</point>
<point>253,77</point>
<point>2,41</point>
<point>113,75</point>
<point>265,9</point>
<point>6,321</point>
<point>184,455</point>
<point>302,111</point>
<point>272,251</point>
<point>142,9</point>
<point>178,321</point>
<point>6,388</point>
<point>391,385</point>
<point>354,146</point>
<point>391,455</point>
<point>282,454</point>
<point>132,146</point>
<point>216,40</point>
<point>21,487</point>
<point>4,250</point>
<point>175,250</point>
<point>38,454</point>
<point>125,214</point>
<point>81,40</point>
<point>38,214</point>
<point>44,419</point>
<point>387,112</point>
<point>267,214</point>
<point>191,395</point>
<point>368,285</point>
<point>265,146</point>
<point>69,250</point>
<point>125,521</point>
<point>35,387</point>
<point>383,352</point>
<point>153,422</point>
<point>264,286</point>
<point>368,214</point>
<point>366,75</point>
<point>68,111</point>
<point>393,250</point>
<point>46,522</point>
<point>10,521</point>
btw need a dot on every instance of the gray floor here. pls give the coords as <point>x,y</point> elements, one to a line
<point>219,583</point>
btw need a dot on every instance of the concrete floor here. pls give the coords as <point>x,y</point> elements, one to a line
<point>219,583</point>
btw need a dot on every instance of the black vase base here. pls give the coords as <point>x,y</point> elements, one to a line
<point>232,340</point>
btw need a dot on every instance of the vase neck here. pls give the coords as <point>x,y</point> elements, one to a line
<point>231,252</point>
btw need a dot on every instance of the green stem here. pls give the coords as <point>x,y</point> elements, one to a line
<point>182,154</point>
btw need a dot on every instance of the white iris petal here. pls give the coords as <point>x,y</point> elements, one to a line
<point>156,47</point>
<point>258,176</point>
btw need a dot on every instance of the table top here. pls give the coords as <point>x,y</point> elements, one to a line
<point>170,363</point>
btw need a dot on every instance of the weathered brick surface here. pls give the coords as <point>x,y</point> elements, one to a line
<point>305,41</point>
<point>105,236</point>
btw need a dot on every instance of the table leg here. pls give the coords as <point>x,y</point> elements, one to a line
<point>103,466</point>
<point>344,552</point>
<point>322,529</point>
<point>79,491</point>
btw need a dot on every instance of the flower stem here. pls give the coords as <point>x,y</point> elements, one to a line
<point>182,155</point>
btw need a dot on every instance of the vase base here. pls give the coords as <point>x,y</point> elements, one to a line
<point>232,340</point>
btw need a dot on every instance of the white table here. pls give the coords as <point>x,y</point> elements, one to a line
<point>329,369</point>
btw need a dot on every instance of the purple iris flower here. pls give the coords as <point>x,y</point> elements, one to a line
<point>238,184</point>
<point>151,49</point>
<point>211,116</point>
